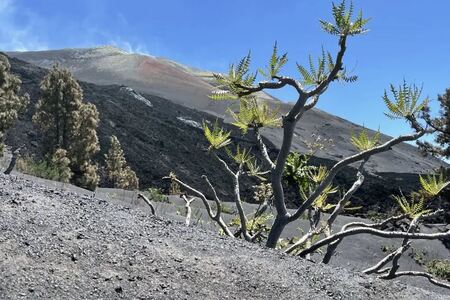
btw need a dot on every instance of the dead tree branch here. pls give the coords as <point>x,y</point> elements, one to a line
<point>376,232</point>
<point>430,277</point>
<point>215,217</point>
<point>148,202</point>
<point>187,206</point>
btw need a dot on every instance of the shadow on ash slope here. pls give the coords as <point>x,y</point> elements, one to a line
<point>62,245</point>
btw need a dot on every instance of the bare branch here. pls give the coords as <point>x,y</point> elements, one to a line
<point>282,82</point>
<point>263,149</point>
<point>187,206</point>
<point>240,209</point>
<point>12,162</point>
<point>216,198</point>
<point>224,164</point>
<point>332,246</point>
<point>430,277</point>
<point>376,232</point>
<point>346,198</point>
<point>386,259</point>
<point>374,225</point>
<point>149,203</point>
<point>215,217</point>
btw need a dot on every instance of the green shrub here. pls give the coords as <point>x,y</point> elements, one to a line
<point>54,168</point>
<point>440,268</point>
<point>156,195</point>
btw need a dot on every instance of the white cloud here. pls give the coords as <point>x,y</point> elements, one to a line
<point>15,36</point>
<point>130,47</point>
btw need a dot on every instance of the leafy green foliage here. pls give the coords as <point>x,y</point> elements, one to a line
<point>343,24</point>
<point>55,167</point>
<point>433,185</point>
<point>275,64</point>
<point>296,170</point>
<point>316,74</point>
<point>254,225</point>
<point>254,170</point>
<point>156,195</point>
<point>441,145</point>
<point>320,203</point>
<point>405,103</point>
<point>440,268</point>
<point>413,207</point>
<point>255,115</point>
<point>117,169</point>
<point>307,178</point>
<point>67,122</point>
<point>11,102</point>
<point>217,137</point>
<point>242,155</point>
<point>363,142</point>
<point>232,84</point>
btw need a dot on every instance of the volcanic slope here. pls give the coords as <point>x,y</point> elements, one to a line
<point>160,136</point>
<point>190,87</point>
<point>62,245</point>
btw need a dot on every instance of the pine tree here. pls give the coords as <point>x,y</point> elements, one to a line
<point>85,146</point>
<point>121,175</point>
<point>60,163</point>
<point>89,177</point>
<point>70,124</point>
<point>442,126</point>
<point>11,102</point>
<point>58,110</point>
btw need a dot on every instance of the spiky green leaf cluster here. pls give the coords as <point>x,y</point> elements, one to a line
<point>217,137</point>
<point>363,142</point>
<point>242,155</point>
<point>433,185</point>
<point>255,115</point>
<point>413,207</point>
<point>320,203</point>
<point>232,84</point>
<point>405,103</point>
<point>316,74</point>
<point>297,170</point>
<point>254,169</point>
<point>255,224</point>
<point>343,24</point>
<point>276,62</point>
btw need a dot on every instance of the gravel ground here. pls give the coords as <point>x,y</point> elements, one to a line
<point>61,245</point>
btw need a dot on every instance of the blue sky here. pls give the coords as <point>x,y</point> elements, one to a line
<point>407,40</point>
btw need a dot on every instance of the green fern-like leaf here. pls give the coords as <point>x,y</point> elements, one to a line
<point>242,156</point>
<point>363,142</point>
<point>343,24</point>
<point>253,114</point>
<point>405,102</point>
<point>275,63</point>
<point>433,185</point>
<point>217,137</point>
<point>412,208</point>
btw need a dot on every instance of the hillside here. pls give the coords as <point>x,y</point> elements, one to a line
<point>62,245</point>
<point>160,136</point>
<point>190,87</point>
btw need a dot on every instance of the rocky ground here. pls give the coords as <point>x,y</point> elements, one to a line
<point>62,245</point>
